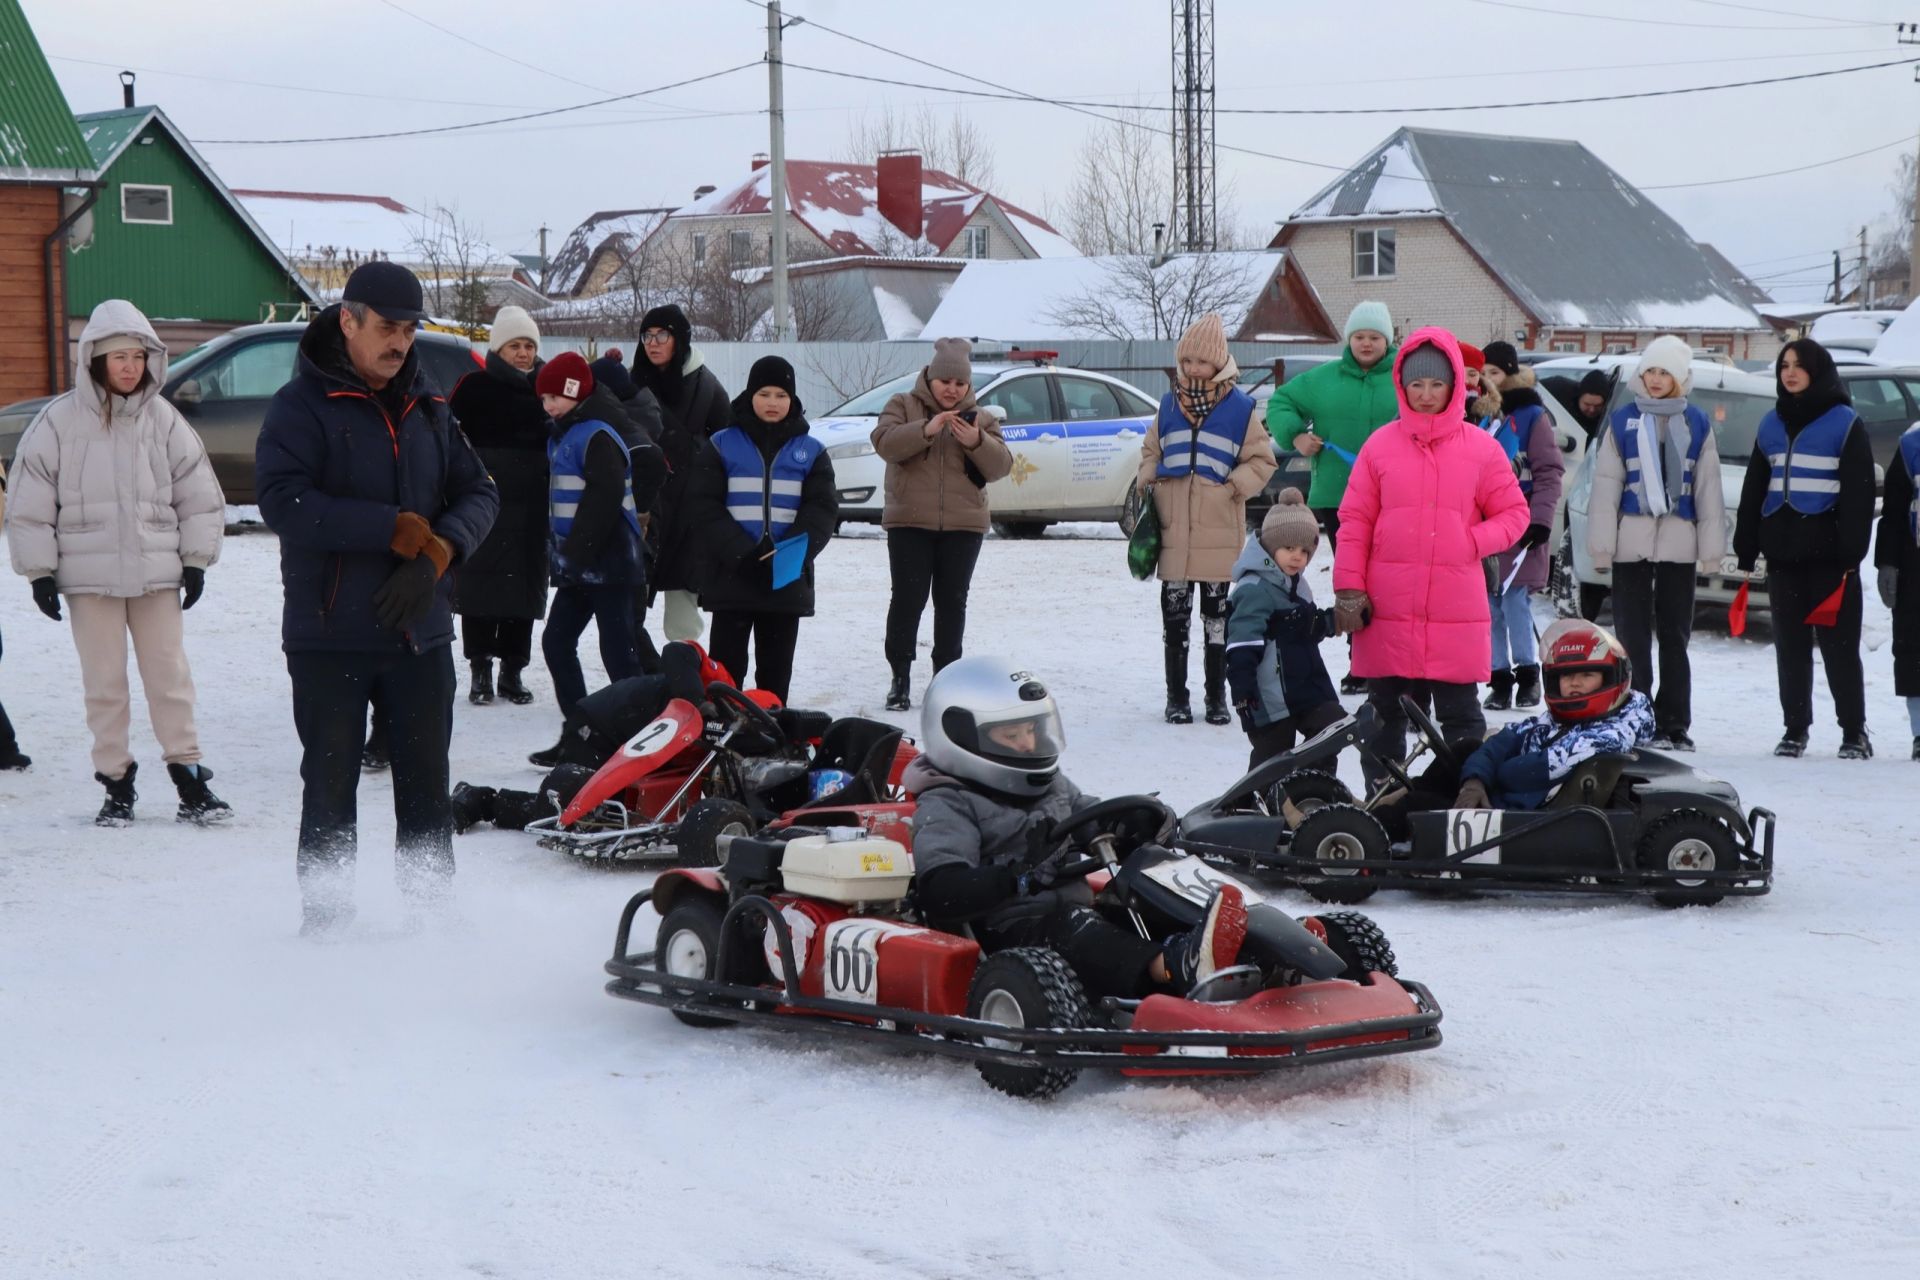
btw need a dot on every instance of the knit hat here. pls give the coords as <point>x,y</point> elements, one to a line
<point>1425,361</point>
<point>1205,339</point>
<point>617,355</point>
<point>1596,383</point>
<point>510,323</point>
<point>1670,354</point>
<point>1289,524</point>
<point>1372,317</point>
<point>1472,356</point>
<point>565,375</point>
<point>771,371</point>
<point>119,342</point>
<point>952,360</point>
<point>1502,356</point>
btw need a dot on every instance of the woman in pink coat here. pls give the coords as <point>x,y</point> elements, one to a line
<point>1430,498</point>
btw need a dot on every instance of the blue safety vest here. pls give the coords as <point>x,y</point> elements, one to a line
<point>1210,448</point>
<point>1507,436</point>
<point>1806,469</point>
<point>567,458</point>
<point>1910,457</point>
<point>1627,425</point>
<point>764,500</point>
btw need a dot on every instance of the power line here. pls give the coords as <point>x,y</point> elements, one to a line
<point>1657,22</point>
<point>1789,13</point>
<point>466,40</point>
<point>1601,66</point>
<point>1818,164</point>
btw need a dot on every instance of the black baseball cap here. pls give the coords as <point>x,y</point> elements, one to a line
<point>388,288</point>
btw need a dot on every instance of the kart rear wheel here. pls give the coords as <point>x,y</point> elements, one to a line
<point>697,838</point>
<point>688,946</point>
<point>1027,987</point>
<point>1310,790</point>
<point>1688,840</point>
<point>1335,834</point>
<point>1360,942</point>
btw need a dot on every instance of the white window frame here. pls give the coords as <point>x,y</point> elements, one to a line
<point>979,241</point>
<point>146,186</point>
<point>1618,349</point>
<point>1567,345</point>
<point>699,246</point>
<point>1372,252</point>
<point>735,241</point>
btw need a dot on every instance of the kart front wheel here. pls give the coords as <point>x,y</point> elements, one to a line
<point>688,946</point>
<point>1336,834</point>
<point>698,837</point>
<point>1309,789</point>
<point>1682,841</point>
<point>1360,942</point>
<point>1027,987</point>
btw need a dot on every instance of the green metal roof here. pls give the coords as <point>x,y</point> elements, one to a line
<point>39,141</point>
<point>105,132</point>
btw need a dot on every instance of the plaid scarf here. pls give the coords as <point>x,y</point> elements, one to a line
<point>1198,399</point>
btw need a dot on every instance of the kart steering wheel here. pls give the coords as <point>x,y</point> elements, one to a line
<point>745,709</point>
<point>1423,724</point>
<point>1131,820</point>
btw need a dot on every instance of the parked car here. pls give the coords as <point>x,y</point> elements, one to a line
<point>1075,436</point>
<point>222,388</point>
<point>1887,400</point>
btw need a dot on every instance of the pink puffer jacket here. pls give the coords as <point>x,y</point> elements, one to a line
<point>1430,498</point>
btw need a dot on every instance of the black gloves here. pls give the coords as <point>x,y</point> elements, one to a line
<point>1245,709</point>
<point>192,582</point>
<point>1535,536</point>
<point>47,597</point>
<point>406,597</point>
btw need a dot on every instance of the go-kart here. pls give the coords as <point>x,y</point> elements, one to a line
<point>1638,822</point>
<point>683,782</point>
<point>815,931</point>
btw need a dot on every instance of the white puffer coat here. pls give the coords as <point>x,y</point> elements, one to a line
<point>113,495</point>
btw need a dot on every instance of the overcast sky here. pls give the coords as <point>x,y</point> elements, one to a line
<point>385,70</point>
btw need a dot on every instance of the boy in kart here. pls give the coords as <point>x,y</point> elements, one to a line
<point>989,799</point>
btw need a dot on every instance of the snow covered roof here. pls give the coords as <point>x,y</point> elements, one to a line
<point>624,229</point>
<point>1900,343</point>
<point>840,203</point>
<point>1571,239</point>
<point>309,223</point>
<point>1047,298</point>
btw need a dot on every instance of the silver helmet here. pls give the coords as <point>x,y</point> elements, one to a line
<point>987,721</point>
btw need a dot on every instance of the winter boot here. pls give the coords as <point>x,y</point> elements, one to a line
<point>1500,698</point>
<point>510,687</point>
<point>1179,710</point>
<point>118,809</point>
<point>471,805</point>
<point>1916,748</point>
<point>1213,944</point>
<point>551,756</point>
<point>900,694</point>
<point>480,691</point>
<point>1353,684</point>
<point>198,804</point>
<point>1214,656</point>
<point>10,757</point>
<point>1526,685</point>
<point>1675,740</point>
<point>1855,745</point>
<point>374,757</point>
<point>1792,744</point>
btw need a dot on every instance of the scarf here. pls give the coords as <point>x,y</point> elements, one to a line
<point>1662,456</point>
<point>1824,392</point>
<point>1198,399</point>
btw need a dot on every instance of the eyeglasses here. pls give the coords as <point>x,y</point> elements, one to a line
<point>656,337</point>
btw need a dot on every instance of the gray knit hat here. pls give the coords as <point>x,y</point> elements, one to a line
<point>1426,361</point>
<point>952,360</point>
<point>1289,524</point>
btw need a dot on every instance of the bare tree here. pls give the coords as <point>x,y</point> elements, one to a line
<point>1122,184</point>
<point>456,259</point>
<point>955,146</point>
<point>1893,236</point>
<point>1137,299</point>
<point>850,368</point>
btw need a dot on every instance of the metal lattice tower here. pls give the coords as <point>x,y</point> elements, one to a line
<point>1195,208</point>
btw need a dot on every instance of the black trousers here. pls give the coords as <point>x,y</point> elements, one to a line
<point>1455,707</point>
<point>1794,591</point>
<point>610,609</point>
<point>923,562</point>
<point>331,692</point>
<point>1108,959</point>
<point>1655,601</point>
<point>7,741</point>
<point>774,637</point>
<point>1270,741</point>
<point>1329,518</point>
<point>508,639</point>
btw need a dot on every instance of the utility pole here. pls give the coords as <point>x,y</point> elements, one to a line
<point>1195,209</point>
<point>777,162</point>
<point>1834,295</point>
<point>1865,288</point>
<point>543,258</point>
<point>1909,33</point>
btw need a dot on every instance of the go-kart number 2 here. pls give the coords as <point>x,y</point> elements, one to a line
<point>852,962</point>
<point>652,737</point>
<point>1469,827</point>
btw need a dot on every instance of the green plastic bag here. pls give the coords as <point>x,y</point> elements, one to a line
<point>1143,546</point>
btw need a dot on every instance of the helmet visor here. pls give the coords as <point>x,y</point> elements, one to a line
<point>1028,735</point>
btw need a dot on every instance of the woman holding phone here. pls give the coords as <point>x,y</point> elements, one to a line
<point>941,450</point>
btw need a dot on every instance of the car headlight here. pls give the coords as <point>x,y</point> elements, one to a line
<point>852,449</point>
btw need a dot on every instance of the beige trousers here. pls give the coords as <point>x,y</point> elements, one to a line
<point>100,628</point>
<point>680,615</point>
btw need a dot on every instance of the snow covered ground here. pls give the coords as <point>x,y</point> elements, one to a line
<point>189,1090</point>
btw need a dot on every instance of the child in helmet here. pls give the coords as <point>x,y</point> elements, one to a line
<point>989,797</point>
<point>1592,709</point>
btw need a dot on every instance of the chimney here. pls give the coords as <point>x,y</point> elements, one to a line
<point>759,161</point>
<point>126,89</point>
<point>900,192</point>
<point>702,191</point>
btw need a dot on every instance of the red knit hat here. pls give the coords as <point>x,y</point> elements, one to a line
<point>565,375</point>
<point>1472,356</point>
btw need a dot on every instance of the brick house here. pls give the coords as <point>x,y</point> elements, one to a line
<point>1534,240</point>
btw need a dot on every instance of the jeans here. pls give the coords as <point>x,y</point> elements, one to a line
<point>923,561</point>
<point>1456,708</point>
<point>611,610</point>
<point>331,692</point>
<point>774,634</point>
<point>1794,591</point>
<point>508,639</point>
<point>1514,643</point>
<point>1656,601</point>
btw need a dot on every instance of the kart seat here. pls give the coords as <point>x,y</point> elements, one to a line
<point>1592,782</point>
<point>864,748</point>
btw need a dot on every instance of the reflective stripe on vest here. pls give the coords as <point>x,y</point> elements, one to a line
<point>1910,457</point>
<point>1212,448</point>
<point>568,458</point>
<point>761,502</point>
<point>1627,425</point>
<point>1805,470</point>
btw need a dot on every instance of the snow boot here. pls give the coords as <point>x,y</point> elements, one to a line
<point>1500,697</point>
<point>480,689</point>
<point>1353,684</point>
<point>1210,946</point>
<point>1179,710</point>
<point>510,687</point>
<point>373,756</point>
<point>1793,744</point>
<point>1526,685</point>
<point>900,694</point>
<point>118,809</point>
<point>1214,658</point>
<point>10,757</point>
<point>551,756</point>
<point>1855,745</point>
<point>198,804</point>
<point>1916,748</point>
<point>1672,740</point>
<point>471,805</point>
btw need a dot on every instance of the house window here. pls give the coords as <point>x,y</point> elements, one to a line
<point>976,242</point>
<point>146,204</point>
<point>1619,348</point>
<point>1566,344</point>
<point>1373,255</point>
<point>699,246</point>
<point>739,248</point>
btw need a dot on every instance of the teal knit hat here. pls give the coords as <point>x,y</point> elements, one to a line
<point>1368,315</point>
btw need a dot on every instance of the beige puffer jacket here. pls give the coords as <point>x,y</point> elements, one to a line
<point>927,482</point>
<point>113,500</point>
<point>1203,525</point>
<point>1616,539</point>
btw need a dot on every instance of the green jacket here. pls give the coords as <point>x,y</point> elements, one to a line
<point>1343,404</point>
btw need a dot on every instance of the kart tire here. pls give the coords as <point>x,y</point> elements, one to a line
<point>1687,840</point>
<point>1338,833</point>
<point>1310,790</point>
<point>1035,986</point>
<point>697,838</point>
<point>1360,942</point>
<point>687,945</point>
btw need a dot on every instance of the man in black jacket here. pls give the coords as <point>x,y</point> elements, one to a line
<point>374,494</point>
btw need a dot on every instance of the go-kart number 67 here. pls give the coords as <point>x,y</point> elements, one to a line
<point>652,737</point>
<point>1469,827</point>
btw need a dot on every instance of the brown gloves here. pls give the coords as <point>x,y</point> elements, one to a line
<point>413,536</point>
<point>1473,795</point>
<point>1351,611</point>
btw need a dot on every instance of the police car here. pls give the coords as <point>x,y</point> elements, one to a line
<point>1075,437</point>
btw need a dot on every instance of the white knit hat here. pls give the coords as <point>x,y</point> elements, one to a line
<point>1370,317</point>
<point>512,322</point>
<point>1670,355</point>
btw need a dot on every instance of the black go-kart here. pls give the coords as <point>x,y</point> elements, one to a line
<point>1639,822</point>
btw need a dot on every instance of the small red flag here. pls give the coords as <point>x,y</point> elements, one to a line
<point>1737,612</point>
<point>1827,612</point>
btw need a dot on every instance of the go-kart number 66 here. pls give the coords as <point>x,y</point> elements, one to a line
<point>1469,827</point>
<point>853,958</point>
